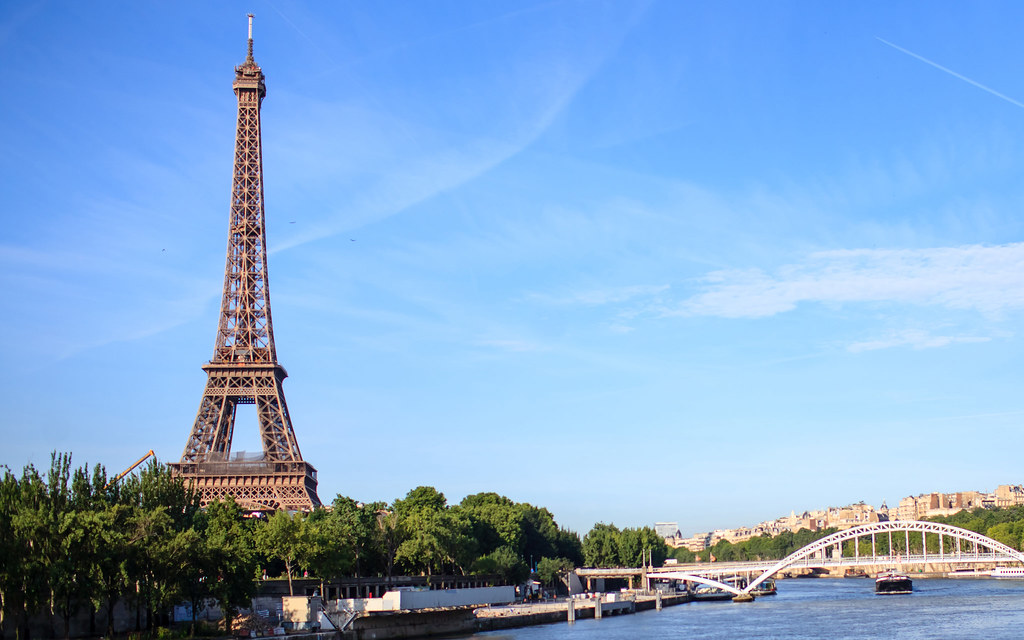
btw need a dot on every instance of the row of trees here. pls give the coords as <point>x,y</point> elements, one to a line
<point>420,534</point>
<point>1003,525</point>
<point>71,541</point>
<point>608,546</point>
<point>763,547</point>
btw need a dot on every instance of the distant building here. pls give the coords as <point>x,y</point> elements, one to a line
<point>697,542</point>
<point>667,529</point>
<point>1009,495</point>
<point>850,516</point>
<point>669,532</point>
<point>925,505</point>
<point>930,505</point>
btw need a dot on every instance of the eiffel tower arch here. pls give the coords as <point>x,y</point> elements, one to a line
<point>244,368</point>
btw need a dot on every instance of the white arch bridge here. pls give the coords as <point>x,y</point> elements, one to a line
<point>950,545</point>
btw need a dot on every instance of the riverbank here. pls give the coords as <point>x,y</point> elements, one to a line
<point>427,623</point>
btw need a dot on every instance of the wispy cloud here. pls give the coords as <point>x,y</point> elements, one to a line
<point>427,156</point>
<point>434,167</point>
<point>912,338</point>
<point>515,346</point>
<point>952,73</point>
<point>989,279</point>
<point>597,297</point>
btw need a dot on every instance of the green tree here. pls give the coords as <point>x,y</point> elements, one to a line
<point>390,535</point>
<point>151,565</point>
<point>541,535</point>
<point>434,536</point>
<point>77,579</point>
<point>23,581</point>
<point>230,546</point>
<point>356,528</point>
<point>1009,533</point>
<point>551,570</point>
<point>112,558</point>
<point>601,546</point>
<point>330,543</point>
<point>503,562</point>
<point>683,555</point>
<point>570,546</point>
<point>192,575</point>
<point>282,537</point>
<point>435,539</point>
<point>637,545</point>
<point>419,499</point>
<point>496,522</point>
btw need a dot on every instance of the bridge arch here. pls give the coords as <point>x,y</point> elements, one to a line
<point>865,530</point>
<point>689,577</point>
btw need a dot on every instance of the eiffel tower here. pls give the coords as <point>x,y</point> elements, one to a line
<point>244,368</point>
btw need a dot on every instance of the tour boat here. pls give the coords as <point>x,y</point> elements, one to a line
<point>968,573</point>
<point>1008,572</point>
<point>766,588</point>
<point>705,593</point>
<point>891,583</point>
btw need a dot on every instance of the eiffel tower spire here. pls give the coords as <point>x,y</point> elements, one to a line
<point>244,368</point>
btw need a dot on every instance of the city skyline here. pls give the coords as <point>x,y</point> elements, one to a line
<point>623,261</point>
<point>920,506</point>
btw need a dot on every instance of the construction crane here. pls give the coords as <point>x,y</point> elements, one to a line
<point>129,469</point>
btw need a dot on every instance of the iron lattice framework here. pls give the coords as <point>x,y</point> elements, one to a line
<point>244,367</point>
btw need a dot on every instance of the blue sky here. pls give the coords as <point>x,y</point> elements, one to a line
<point>631,261</point>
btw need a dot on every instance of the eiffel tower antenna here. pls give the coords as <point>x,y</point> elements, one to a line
<point>248,57</point>
<point>244,368</point>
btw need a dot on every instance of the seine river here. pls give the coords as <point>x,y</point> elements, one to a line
<point>838,609</point>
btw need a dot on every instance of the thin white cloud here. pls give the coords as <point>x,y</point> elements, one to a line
<point>598,297</point>
<point>988,279</point>
<point>436,162</point>
<point>952,73</point>
<point>423,161</point>
<point>912,338</point>
<point>515,346</point>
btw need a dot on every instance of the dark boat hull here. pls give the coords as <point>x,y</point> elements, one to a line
<point>712,597</point>
<point>893,585</point>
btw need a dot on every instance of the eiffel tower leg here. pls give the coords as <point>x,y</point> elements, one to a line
<point>276,431</point>
<point>213,428</point>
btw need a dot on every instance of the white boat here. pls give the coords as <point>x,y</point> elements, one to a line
<point>969,573</point>
<point>1008,572</point>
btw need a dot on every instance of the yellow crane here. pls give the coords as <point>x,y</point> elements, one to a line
<point>129,469</point>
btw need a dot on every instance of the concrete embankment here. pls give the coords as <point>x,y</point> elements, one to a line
<point>421,624</point>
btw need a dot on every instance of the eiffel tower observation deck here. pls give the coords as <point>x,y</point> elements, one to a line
<point>244,368</point>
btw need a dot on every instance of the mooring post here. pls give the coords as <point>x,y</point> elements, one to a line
<point>597,606</point>
<point>657,600</point>
<point>570,615</point>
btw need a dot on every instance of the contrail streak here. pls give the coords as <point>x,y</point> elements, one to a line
<point>952,73</point>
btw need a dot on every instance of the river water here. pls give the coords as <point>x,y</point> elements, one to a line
<point>838,609</point>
